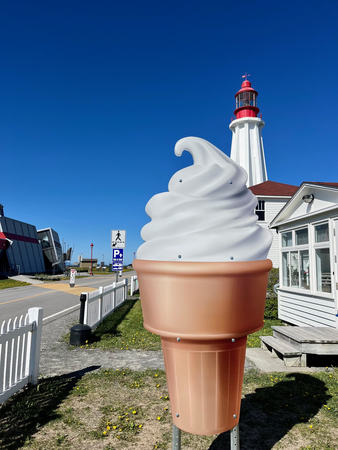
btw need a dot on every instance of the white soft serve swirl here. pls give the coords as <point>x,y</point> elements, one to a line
<point>208,213</point>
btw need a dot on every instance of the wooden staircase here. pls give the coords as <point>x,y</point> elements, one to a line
<point>293,344</point>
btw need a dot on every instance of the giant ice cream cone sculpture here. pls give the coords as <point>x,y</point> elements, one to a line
<point>202,275</point>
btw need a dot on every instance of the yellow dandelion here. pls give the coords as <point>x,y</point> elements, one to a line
<point>166,408</point>
<point>158,385</point>
<point>140,426</point>
<point>104,432</point>
<point>310,426</point>
<point>156,375</point>
<point>158,417</point>
<point>114,427</point>
<point>134,412</point>
<point>108,427</point>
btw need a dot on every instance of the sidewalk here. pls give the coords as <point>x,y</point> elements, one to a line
<point>57,358</point>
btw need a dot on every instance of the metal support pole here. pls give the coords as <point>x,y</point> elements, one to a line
<point>91,258</point>
<point>176,440</point>
<point>83,299</point>
<point>234,438</point>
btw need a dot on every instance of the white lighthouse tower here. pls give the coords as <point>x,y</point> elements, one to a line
<point>247,143</point>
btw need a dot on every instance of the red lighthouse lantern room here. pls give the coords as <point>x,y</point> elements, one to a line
<point>246,101</point>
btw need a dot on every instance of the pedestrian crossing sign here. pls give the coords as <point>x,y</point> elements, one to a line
<point>118,238</point>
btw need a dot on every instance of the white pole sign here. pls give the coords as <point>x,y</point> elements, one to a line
<point>118,238</point>
<point>73,273</point>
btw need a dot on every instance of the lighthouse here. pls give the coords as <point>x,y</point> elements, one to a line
<point>247,143</point>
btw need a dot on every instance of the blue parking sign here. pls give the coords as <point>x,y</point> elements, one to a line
<point>117,259</point>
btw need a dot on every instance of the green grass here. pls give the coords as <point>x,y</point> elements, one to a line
<point>122,409</point>
<point>103,272</point>
<point>253,339</point>
<point>5,284</point>
<point>124,330</point>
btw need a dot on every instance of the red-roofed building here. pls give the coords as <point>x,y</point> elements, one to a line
<point>274,189</point>
<point>304,224</point>
<point>272,197</point>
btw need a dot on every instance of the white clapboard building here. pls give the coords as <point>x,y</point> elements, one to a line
<point>308,240</point>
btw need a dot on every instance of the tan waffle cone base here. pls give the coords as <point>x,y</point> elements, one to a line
<point>197,309</point>
<point>205,383</point>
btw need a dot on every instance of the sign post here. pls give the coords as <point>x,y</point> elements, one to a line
<point>118,243</point>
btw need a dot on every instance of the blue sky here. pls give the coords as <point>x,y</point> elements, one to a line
<point>94,95</point>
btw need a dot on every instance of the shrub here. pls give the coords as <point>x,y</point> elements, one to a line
<point>273,279</point>
<point>271,306</point>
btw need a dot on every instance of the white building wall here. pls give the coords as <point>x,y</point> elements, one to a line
<point>247,148</point>
<point>272,207</point>
<point>304,309</point>
<point>309,307</point>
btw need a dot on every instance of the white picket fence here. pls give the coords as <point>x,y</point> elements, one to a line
<point>133,284</point>
<point>103,301</point>
<point>20,341</point>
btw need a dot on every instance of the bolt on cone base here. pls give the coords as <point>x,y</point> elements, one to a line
<point>205,383</point>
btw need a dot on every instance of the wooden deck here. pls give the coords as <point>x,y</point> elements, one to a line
<point>288,341</point>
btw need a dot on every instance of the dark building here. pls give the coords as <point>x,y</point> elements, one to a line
<point>52,250</point>
<point>20,251</point>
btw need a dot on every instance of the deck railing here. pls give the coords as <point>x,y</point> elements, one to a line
<point>20,341</point>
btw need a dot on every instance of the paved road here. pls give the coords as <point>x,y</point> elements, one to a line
<point>50,296</point>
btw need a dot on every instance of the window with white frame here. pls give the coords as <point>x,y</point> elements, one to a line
<point>322,257</point>
<point>260,210</point>
<point>295,258</point>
